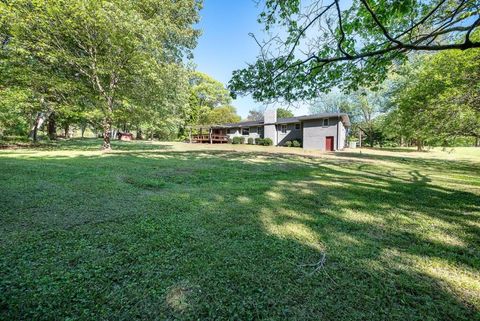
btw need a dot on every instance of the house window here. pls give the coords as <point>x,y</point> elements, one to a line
<point>253,130</point>
<point>260,131</point>
<point>297,126</point>
<point>284,129</point>
<point>231,130</point>
<point>325,122</point>
<point>245,131</point>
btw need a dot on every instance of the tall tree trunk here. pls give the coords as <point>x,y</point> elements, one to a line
<point>82,129</point>
<point>107,131</point>
<point>39,119</point>
<point>52,126</point>
<point>477,141</point>
<point>370,138</point>
<point>107,124</point>
<point>67,130</point>
<point>419,145</point>
<point>33,132</point>
<point>139,133</point>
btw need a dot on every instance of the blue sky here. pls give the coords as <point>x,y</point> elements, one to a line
<point>225,44</point>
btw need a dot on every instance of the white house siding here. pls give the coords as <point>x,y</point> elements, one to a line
<point>314,133</point>
<point>232,132</point>
<point>290,135</point>
<point>270,131</point>
<point>342,138</point>
<point>253,133</point>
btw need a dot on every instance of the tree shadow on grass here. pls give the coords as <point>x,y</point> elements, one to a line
<point>234,235</point>
<point>459,166</point>
<point>95,144</point>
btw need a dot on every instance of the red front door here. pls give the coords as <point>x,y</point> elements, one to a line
<point>329,143</point>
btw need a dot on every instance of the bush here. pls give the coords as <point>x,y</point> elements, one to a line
<point>296,143</point>
<point>238,140</point>
<point>230,140</point>
<point>250,141</point>
<point>258,141</point>
<point>288,143</point>
<point>267,142</point>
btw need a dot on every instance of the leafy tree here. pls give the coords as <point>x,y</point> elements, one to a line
<point>315,46</point>
<point>434,101</point>
<point>258,115</point>
<point>16,107</point>
<point>206,94</point>
<point>332,102</point>
<point>116,47</point>
<point>209,102</point>
<point>207,91</point>
<point>162,108</point>
<point>255,114</point>
<point>46,92</point>
<point>222,115</point>
<point>284,113</point>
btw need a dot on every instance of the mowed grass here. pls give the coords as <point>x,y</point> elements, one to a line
<point>195,232</point>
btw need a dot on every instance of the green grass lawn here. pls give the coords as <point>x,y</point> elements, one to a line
<point>176,231</point>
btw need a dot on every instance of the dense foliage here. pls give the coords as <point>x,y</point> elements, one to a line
<point>436,99</point>
<point>313,46</point>
<point>209,102</point>
<point>432,101</point>
<point>120,61</point>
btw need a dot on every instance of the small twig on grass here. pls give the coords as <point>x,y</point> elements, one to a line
<point>318,266</point>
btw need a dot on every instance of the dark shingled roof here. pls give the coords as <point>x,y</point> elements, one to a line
<point>247,123</point>
<point>288,120</point>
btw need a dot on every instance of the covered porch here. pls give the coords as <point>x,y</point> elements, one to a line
<point>209,134</point>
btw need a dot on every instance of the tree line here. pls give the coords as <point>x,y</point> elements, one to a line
<point>407,72</point>
<point>433,100</point>
<point>104,66</point>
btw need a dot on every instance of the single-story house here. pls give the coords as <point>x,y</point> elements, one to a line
<point>326,131</point>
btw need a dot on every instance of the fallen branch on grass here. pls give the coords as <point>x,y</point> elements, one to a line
<point>318,266</point>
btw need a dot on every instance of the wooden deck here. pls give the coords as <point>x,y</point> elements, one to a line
<point>212,138</point>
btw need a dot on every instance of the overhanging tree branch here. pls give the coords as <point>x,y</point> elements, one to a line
<point>340,27</point>
<point>352,46</point>
<point>425,18</point>
<point>379,24</point>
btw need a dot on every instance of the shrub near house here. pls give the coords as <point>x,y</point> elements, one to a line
<point>267,142</point>
<point>238,140</point>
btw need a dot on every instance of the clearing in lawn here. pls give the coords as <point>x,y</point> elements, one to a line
<point>175,231</point>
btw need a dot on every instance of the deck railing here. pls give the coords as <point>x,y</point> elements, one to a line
<point>213,138</point>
